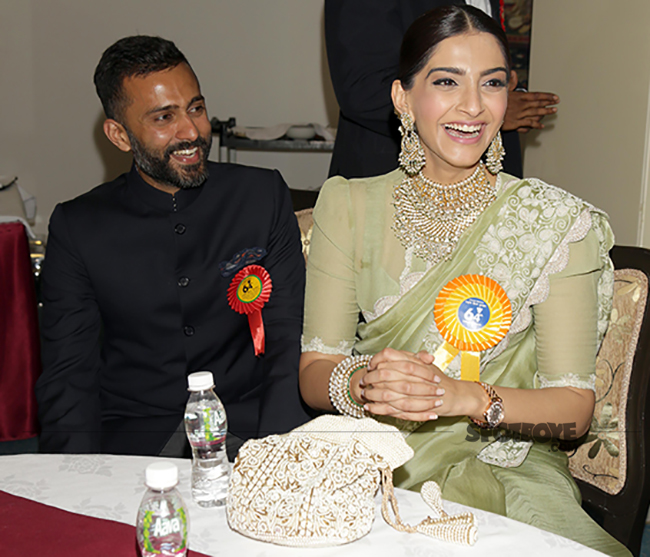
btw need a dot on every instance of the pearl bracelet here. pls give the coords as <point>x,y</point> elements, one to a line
<point>339,386</point>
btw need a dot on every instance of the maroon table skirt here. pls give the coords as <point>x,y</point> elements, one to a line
<point>28,528</point>
<point>20,362</point>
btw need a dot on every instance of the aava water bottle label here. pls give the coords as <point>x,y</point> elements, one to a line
<point>164,535</point>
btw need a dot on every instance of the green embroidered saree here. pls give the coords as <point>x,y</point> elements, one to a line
<point>549,251</point>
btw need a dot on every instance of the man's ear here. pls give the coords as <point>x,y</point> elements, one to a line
<point>400,98</point>
<point>117,135</point>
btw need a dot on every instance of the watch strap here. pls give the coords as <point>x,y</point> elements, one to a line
<point>494,399</point>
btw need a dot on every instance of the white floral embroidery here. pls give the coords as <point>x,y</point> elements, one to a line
<point>567,380</point>
<point>508,453</point>
<point>316,344</point>
<point>606,281</point>
<point>556,264</point>
<point>506,252</point>
<point>531,224</point>
<point>521,251</point>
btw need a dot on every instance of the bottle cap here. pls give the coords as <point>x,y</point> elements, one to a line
<point>161,475</point>
<point>200,381</point>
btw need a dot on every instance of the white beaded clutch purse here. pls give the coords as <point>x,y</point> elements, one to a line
<point>315,486</point>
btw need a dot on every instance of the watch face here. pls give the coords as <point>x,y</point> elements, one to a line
<point>494,414</point>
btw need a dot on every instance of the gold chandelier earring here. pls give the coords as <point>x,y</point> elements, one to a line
<point>495,154</point>
<point>411,157</point>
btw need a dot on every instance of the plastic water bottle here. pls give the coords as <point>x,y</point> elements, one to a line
<point>206,427</point>
<point>162,524</point>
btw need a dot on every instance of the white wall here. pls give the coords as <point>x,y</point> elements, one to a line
<point>595,54</point>
<point>261,61</point>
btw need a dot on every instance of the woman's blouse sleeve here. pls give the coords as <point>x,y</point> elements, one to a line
<point>567,323</point>
<point>331,309</point>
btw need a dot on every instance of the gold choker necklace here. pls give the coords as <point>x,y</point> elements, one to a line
<point>431,217</point>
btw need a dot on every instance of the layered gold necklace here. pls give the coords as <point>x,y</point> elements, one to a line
<point>431,217</point>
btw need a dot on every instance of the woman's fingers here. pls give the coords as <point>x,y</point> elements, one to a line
<point>392,355</point>
<point>399,402</point>
<point>415,370</point>
<point>425,357</point>
<point>404,385</point>
<point>385,409</point>
<point>393,390</point>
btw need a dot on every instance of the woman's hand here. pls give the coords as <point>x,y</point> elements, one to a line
<point>408,386</point>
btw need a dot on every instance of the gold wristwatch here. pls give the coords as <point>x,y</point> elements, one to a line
<point>494,413</point>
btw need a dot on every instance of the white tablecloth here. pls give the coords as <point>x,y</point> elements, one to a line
<point>111,487</point>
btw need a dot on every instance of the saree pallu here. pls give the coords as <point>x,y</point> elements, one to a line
<point>549,251</point>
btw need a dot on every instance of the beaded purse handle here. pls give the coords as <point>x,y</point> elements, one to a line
<point>458,528</point>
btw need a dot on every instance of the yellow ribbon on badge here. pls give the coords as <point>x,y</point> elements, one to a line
<point>472,313</point>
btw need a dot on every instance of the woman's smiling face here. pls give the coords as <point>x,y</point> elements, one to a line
<point>458,101</point>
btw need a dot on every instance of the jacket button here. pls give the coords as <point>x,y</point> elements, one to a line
<point>189,331</point>
<point>183,282</point>
<point>179,228</point>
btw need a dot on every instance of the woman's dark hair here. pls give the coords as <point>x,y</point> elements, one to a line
<point>433,27</point>
<point>138,55</point>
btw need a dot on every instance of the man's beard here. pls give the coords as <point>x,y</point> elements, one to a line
<point>161,169</point>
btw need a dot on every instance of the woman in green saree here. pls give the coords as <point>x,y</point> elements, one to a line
<point>386,247</point>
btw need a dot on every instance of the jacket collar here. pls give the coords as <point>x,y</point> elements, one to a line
<point>158,199</point>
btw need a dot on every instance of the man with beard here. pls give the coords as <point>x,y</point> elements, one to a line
<point>136,279</point>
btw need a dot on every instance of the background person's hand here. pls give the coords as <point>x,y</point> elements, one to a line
<point>526,110</point>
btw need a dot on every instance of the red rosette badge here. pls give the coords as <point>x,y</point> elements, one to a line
<point>247,294</point>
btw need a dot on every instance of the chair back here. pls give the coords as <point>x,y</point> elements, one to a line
<point>610,463</point>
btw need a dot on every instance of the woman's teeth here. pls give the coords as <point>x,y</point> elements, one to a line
<point>463,130</point>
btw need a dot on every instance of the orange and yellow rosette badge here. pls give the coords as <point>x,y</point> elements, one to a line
<point>247,294</point>
<point>472,313</point>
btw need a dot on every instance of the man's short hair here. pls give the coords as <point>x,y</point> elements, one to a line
<point>138,55</point>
